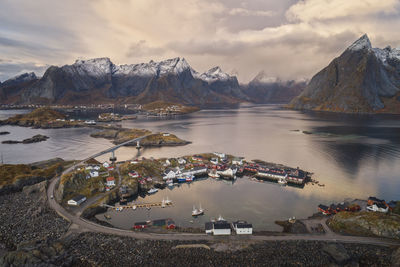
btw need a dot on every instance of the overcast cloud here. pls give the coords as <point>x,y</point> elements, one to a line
<point>288,38</point>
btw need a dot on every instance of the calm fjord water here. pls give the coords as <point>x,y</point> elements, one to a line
<point>354,156</point>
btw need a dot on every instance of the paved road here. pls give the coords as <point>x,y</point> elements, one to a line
<point>80,224</point>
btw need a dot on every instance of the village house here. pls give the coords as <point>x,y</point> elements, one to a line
<point>106,164</point>
<point>237,161</point>
<point>378,207</point>
<point>134,174</point>
<point>77,200</point>
<point>221,228</point>
<point>171,173</point>
<point>94,174</point>
<point>220,155</point>
<point>197,158</point>
<point>181,161</point>
<point>242,228</point>
<point>140,225</point>
<point>110,181</point>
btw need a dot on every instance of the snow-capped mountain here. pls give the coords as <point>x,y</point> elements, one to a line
<point>99,80</point>
<point>361,79</point>
<point>215,74</point>
<point>269,89</point>
<point>12,88</point>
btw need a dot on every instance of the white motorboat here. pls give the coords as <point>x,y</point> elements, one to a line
<point>226,173</point>
<point>152,191</point>
<point>167,201</point>
<point>213,174</point>
<point>197,212</point>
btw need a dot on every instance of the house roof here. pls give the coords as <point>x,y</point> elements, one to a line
<point>381,205</point>
<point>244,225</point>
<point>110,179</point>
<point>221,225</point>
<point>323,207</point>
<point>208,225</point>
<point>375,199</point>
<point>78,198</point>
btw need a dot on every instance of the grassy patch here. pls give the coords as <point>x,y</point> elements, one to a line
<point>9,173</point>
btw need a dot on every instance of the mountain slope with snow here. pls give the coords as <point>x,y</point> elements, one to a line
<point>100,81</point>
<point>362,79</point>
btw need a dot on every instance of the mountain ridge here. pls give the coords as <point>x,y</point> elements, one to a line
<point>361,80</point>
<point>99,80</point>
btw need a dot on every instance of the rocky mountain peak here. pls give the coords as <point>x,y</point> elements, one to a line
<point>25,77</point>
<point>215,74</point>
<point>362,43</point>
<point>356,82</point>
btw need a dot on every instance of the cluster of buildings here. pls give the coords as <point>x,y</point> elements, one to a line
<point>373,204</point>
<point>380,205</point>
<point>335,208</point>
<point>222,227</point>
<point>95,170</point>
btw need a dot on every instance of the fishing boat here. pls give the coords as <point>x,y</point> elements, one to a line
<point>168,201</point>
<point>213,174</point>
<point>197,212</point>
<point>226,173</point>
<point>182,179</point>
<point>189,178</point>
<point>134,207</point>
<point>152,191</point>
<point>282,181</point>
<point>163,204</point>
<point>220,218</point>
<point>170,182</point>
<point>107,216</point>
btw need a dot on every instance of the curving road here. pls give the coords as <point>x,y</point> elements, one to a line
<point>81,224</point>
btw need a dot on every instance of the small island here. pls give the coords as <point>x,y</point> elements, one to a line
<point>44,118</point>
<point>121,135</point>
<point>35,139</point>
<point>161,108</point>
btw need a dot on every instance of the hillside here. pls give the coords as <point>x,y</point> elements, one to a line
<point>37,117</point>
<point>361,80</point>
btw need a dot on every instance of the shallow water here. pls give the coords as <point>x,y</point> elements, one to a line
<point>354,156</point>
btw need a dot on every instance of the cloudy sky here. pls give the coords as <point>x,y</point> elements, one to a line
<point>289,39</point>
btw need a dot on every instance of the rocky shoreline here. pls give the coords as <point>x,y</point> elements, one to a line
<point>31,233</point>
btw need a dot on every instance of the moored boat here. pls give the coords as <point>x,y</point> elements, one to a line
<point>197,212</point>
<point>229,173</point>
<point>152,191</point>
<point>213,174</point>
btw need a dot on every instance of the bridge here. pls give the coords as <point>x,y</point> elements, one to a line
<point>112,149</point>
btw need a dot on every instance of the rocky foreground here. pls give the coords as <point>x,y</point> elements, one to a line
<point>33,234</point>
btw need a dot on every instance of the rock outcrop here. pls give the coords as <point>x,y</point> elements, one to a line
<point>367,224</point>
<point>361,80</point>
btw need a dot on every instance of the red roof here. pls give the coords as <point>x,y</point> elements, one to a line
<point>110,179</point>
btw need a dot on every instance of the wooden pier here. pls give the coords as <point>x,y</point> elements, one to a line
<point>140,205</point>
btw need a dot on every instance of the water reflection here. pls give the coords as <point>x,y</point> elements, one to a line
<point>354,156</point>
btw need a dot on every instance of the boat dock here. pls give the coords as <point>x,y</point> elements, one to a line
<point>141,205</point>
